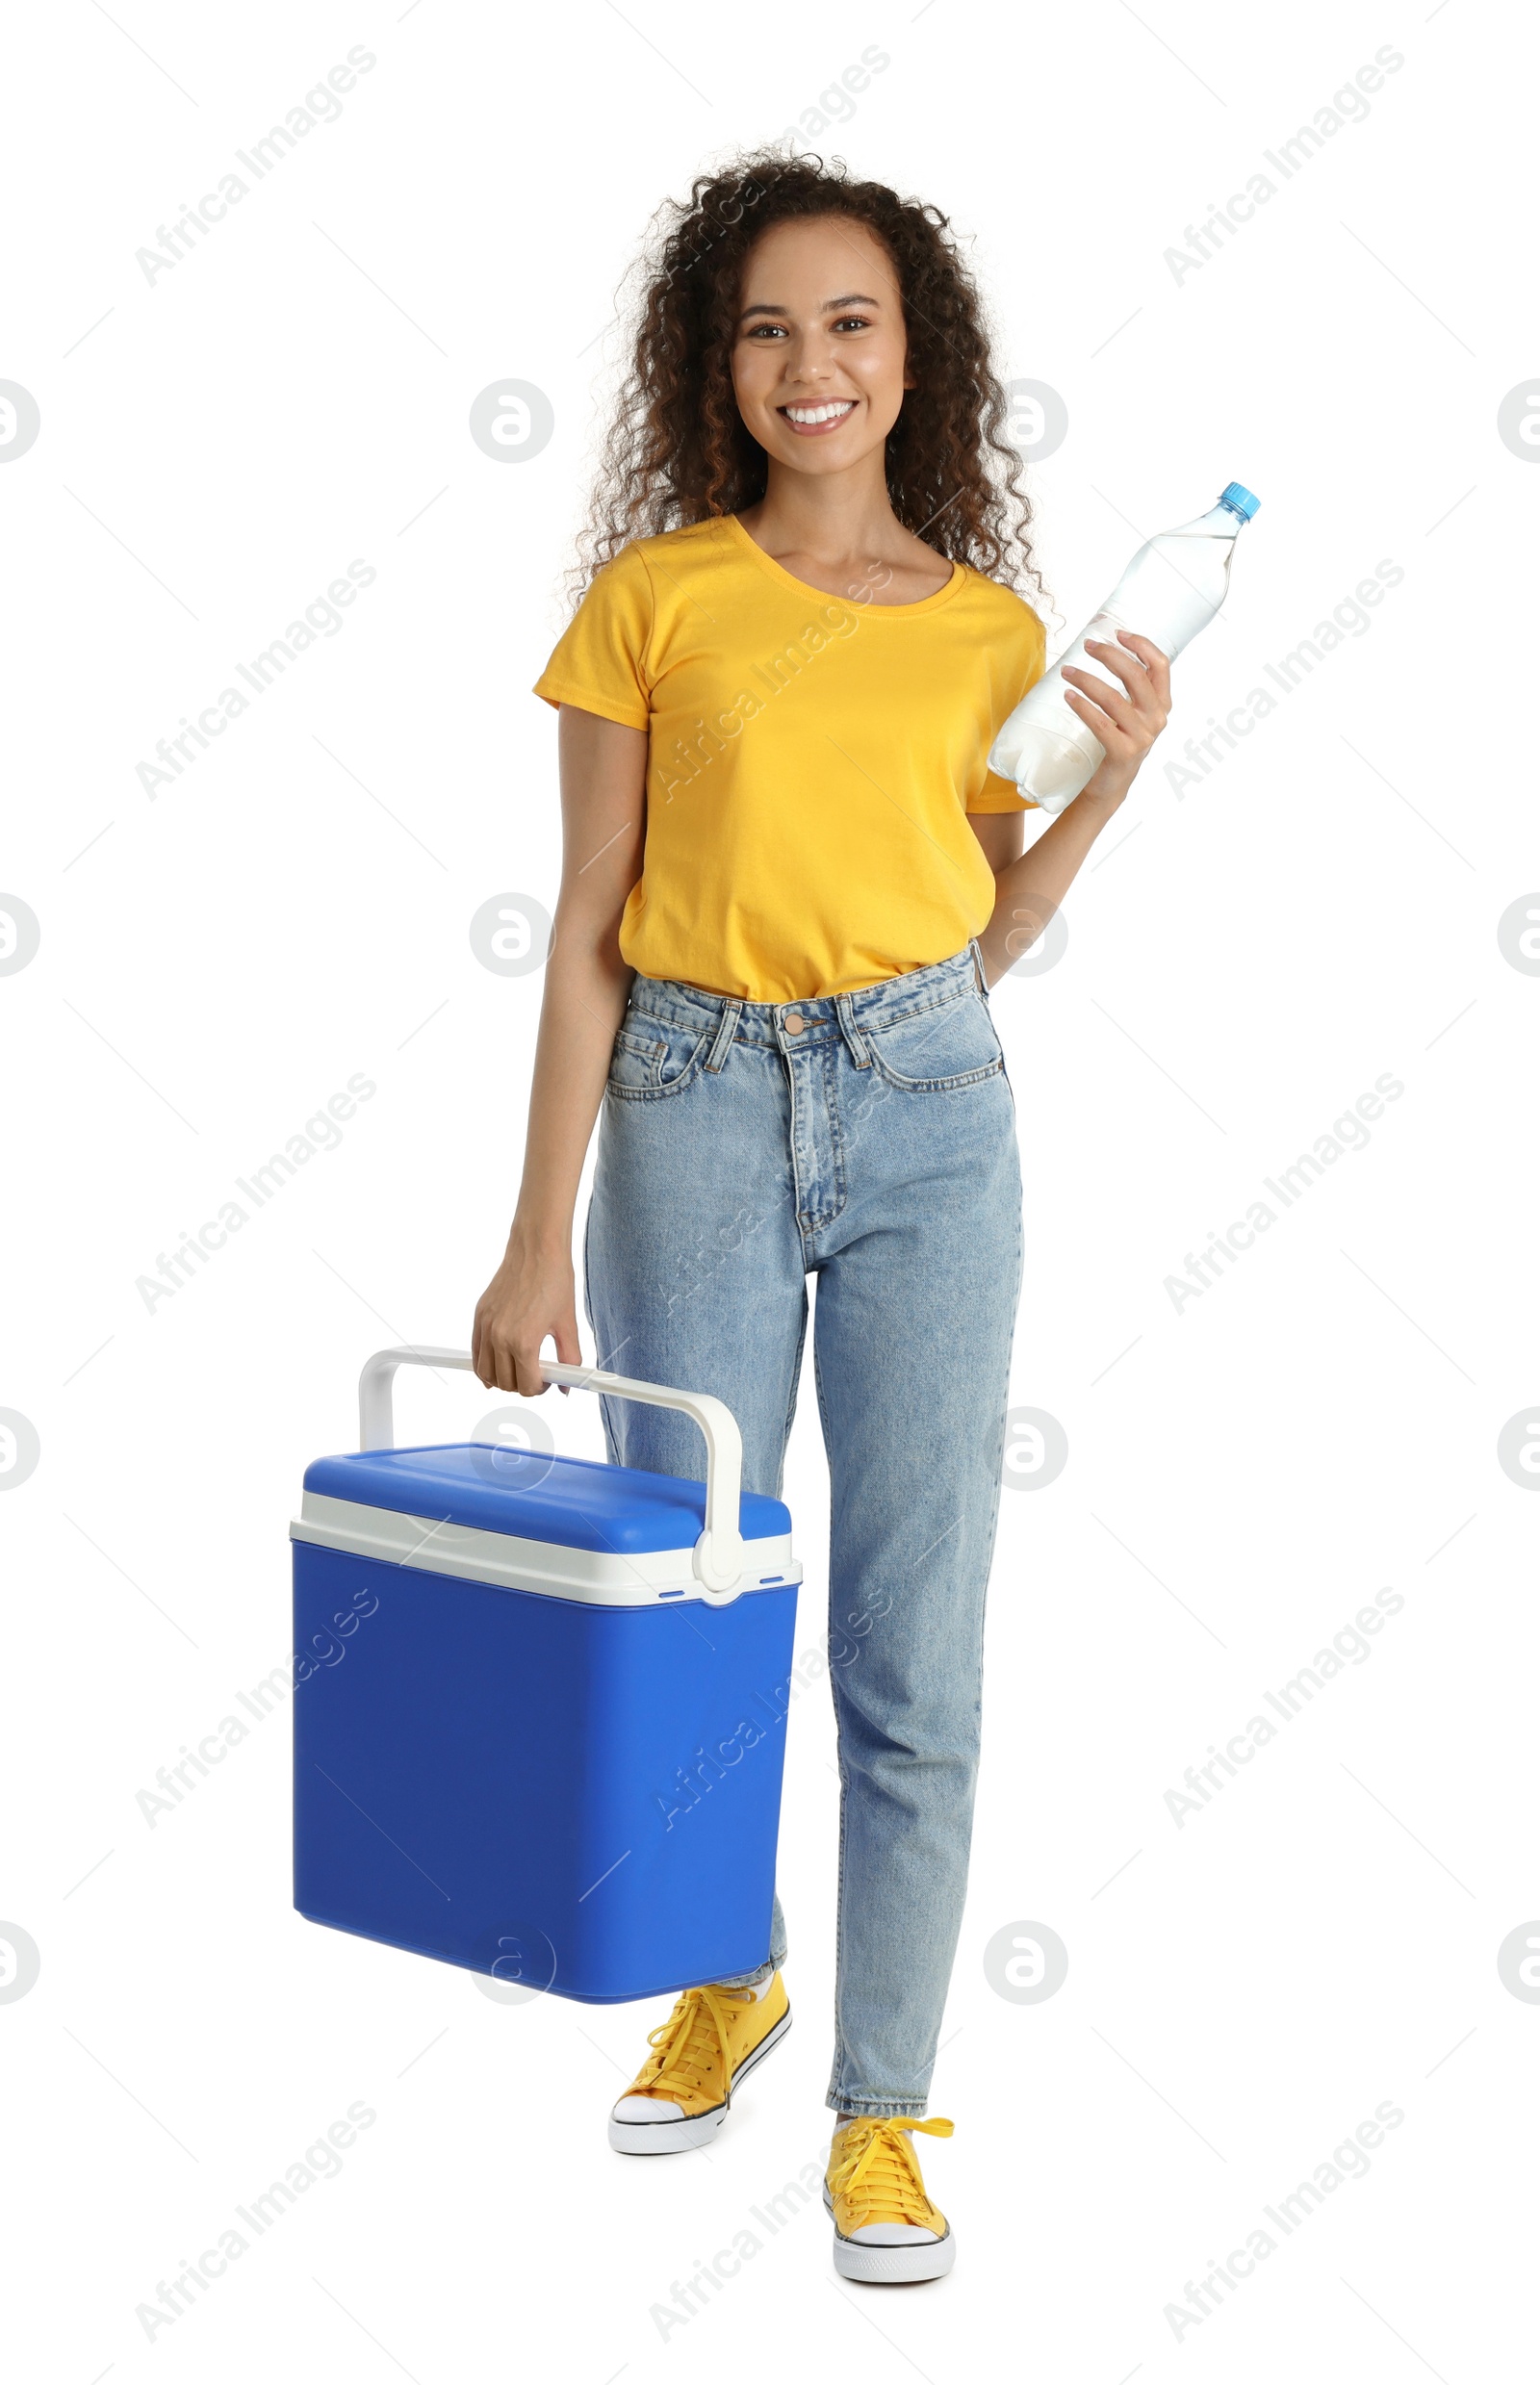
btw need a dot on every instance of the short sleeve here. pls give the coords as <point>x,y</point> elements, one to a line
<point>998,794</point>
<point>599,661</point>
<point>1028,655</point>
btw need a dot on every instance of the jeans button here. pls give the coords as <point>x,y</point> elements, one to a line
<point>794,1022</point>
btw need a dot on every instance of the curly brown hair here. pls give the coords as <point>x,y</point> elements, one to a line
<point>677,451</point>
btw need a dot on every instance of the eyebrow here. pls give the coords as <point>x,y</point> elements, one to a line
<point>851,298</point>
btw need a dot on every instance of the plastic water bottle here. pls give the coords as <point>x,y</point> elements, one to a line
<point>1171,590</point>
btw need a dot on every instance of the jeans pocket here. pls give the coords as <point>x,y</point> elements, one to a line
<point>653,1058</point>
<point>633,1064</point>
<point>939,1049</point>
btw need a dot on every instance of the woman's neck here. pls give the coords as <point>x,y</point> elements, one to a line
<point>839,525</point>
<point>832,517</point>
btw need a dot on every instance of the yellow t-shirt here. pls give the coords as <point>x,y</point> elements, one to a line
<point>811,760</point>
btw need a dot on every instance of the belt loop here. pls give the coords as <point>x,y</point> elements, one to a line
<point>858,1050</point>
<point>731,1011</point>
<point>977,966</point>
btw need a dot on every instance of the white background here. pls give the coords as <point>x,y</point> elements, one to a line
<point>1243,962</point>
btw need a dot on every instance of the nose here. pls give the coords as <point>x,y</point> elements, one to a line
<point>807,358</point>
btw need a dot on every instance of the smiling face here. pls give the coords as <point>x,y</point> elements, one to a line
<point>820,356</point>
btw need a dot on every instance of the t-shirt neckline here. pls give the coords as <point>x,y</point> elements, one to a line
<point>805,588</point>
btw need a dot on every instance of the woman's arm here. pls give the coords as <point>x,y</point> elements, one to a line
<point>603,776</point>
<point>1032,885</point>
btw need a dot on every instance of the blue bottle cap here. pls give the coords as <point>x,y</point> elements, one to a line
<point>1240,500</point>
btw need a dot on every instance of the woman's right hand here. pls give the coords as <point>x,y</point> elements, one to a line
<point>531,1295</point>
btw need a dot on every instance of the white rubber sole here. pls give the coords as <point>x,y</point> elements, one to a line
<point>891,2265</point>
<point>682,2136</point>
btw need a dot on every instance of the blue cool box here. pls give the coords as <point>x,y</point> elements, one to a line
<point>528,1744</point>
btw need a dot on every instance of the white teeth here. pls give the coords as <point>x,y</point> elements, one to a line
<point>819,414</point>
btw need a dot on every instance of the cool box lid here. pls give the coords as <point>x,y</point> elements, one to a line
<point>569,1527</point>
<point>577,1502</point>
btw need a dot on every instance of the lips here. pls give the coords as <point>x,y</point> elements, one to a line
<point>816,422</point>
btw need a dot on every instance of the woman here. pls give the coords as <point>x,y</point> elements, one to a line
<point>788,879</point>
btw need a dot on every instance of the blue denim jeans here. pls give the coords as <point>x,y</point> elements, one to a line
<point>869,1140</point>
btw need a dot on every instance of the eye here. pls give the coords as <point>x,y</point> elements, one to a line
<point>852,322</point>
<point>755,331</point>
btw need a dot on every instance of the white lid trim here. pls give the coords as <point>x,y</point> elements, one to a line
<point>593,1576</point>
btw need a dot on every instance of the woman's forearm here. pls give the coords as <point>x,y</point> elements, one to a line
<point>1029,890</point>
<point>586,986</point>
<point>1126,718</point>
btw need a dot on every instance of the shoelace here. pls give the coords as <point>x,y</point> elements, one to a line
<point>877,2157</point>
<point>695,2033</point>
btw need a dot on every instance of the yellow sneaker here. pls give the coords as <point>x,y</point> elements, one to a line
<point>887,2232</point>
<point>710,2043</point>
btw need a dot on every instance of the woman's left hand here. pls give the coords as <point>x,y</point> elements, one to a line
<point>1125,720</point>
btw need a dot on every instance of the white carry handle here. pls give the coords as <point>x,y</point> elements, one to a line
<point>718,1561</point>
